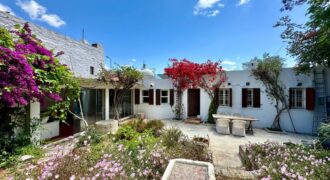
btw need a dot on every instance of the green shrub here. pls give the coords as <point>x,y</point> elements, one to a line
<point>156,126</point>
<point>126,132</point>
<point>9,159</point>
<point>212,110</point>
<point>324,132</point>
<point>138,125</point>
<point>90,136</point>
<point>190,149</point>
<point>278,161</point>
<point>171,137</point>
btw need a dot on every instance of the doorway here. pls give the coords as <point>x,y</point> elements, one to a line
<point>193,102</point>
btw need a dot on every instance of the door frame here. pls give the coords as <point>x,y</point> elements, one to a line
<point>197,105</point>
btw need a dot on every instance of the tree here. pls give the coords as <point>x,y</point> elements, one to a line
<point>309,42</point>
<point>268,71</point>
<point>122,79</point>
<point>182,76</point>
<point>30,72</point>
<point>210,77</point>
<point>186,74</point>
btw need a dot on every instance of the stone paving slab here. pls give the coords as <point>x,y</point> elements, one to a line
<point>225,148</point>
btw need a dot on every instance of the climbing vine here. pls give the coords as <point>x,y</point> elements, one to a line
<point>186,74</point>
<point>31,72</point>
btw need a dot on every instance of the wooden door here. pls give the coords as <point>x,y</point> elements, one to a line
<point>193,102</point>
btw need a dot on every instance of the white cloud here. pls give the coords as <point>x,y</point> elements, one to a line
<point>32,8</point>
<point>53,20</point>
<point>215,12</point>
<point>242,2</point>
<point>208,7</point>
<point>39,12</point>
<point>228,62</point>
<point>133,60</point>
<point>5,8</point>
<point>230,68</point>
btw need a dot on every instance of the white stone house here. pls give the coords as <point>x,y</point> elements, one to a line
<point>242,94</point>
<point>155,96</point>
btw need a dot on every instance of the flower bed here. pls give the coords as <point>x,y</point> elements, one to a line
<point>129,154</point>
<point>277,161</point>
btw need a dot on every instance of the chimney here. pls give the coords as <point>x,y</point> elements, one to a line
<point>144,66</point>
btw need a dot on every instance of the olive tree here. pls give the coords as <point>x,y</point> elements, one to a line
<point>121,79</point>
<point>268,70</point>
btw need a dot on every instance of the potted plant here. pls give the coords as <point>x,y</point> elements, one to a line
<point>324,135</point>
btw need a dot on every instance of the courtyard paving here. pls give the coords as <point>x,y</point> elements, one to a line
<point>225,148</point>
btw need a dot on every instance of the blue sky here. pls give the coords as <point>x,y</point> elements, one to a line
<point>152,31</point>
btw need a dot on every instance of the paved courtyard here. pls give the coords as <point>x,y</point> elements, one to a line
<point>225,147</point>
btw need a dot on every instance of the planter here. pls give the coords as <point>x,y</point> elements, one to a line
<point>49,130</point>
<point>185,169</point>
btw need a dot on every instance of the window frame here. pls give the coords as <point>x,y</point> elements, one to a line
<point>224,97</point>
<point>161,96</point>
<point>91,70</point>
<point>145,96</point>
<point>250,97</point>
<point>294,98</point>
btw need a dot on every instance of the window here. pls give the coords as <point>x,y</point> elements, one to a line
<point>296,98</point>
<point>249,98</point>
<point>164,96</point>
<point>145,96</point>
<point>91,70</point>
<point>224,97</point>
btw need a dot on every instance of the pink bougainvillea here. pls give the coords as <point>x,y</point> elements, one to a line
<point>28,70</point>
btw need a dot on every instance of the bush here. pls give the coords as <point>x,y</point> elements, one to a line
<point>190,149</point>
<point>276,161</point>
<point>126,132</point>
<point>137,124</point>
<point>171,137</point>
<point>9,159</point>
<point>140,126</point>
<point>156,126</point>
<point>324,134</point>
<point>90,136</point>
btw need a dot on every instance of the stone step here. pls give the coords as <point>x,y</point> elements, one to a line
<point>193,120</point>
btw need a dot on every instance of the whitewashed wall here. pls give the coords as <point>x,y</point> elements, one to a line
<point>77,55</point>
<point>162,111</point>
<point>302,118</point>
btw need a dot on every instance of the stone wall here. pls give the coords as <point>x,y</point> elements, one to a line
<point>77,55</point>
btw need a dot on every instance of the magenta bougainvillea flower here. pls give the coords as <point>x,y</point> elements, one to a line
<point>29,71</point>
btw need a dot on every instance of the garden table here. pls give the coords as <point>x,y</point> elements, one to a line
<point>250,120</point>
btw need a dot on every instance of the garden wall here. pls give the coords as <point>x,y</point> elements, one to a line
<point>77,55</point>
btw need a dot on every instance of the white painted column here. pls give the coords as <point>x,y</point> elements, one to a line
<point>34,116</point>
<point>107,104</point>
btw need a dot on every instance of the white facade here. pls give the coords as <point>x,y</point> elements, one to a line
<point>302,118</point>
<point>162,111</point>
